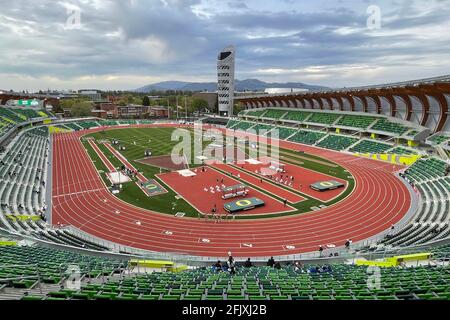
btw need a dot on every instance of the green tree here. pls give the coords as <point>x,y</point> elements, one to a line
<point>199,104</point>
<point>81,109</point>
<point>238,107</point>
<point>146,101</point>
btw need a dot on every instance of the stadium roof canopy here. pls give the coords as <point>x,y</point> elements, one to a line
<point>424,102</point>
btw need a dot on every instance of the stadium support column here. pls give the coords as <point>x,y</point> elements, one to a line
<point>225,81</point>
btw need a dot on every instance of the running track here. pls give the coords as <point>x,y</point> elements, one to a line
<point>81,199</point>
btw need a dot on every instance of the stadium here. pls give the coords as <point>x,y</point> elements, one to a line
<point>296,195</point>
<point>391,198</point>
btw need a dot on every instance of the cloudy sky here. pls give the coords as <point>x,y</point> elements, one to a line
<point>125,44</point>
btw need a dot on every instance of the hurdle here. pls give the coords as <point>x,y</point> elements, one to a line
<point>278,167</point>
<point>239,190</point>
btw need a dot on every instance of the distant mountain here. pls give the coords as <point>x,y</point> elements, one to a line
<point>241,85</point>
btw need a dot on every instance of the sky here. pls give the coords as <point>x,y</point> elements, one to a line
<point>126,44</point>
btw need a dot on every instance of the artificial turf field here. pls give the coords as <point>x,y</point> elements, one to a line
<point>158,140</point>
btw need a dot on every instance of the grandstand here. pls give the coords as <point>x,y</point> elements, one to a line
<point>337,142</point>
<point>307,137</point>
<point>367,146</point>
<point>57,211</point>
<point>43,272</point>
<point>432,220</point>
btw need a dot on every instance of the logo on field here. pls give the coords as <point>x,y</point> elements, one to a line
<point>243,203</point>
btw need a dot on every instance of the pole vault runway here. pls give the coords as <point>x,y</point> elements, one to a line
<point>81,199</point>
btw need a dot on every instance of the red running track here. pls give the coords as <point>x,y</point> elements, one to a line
<point>81,199</point>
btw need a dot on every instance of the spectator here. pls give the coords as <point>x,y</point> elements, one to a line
<point>277,266</point>
<point>320,250</point>
<point>347,244</point>
<point>218,266</point>
<point>271,262</point>
<point>231,266</point>
<point>248,263</point>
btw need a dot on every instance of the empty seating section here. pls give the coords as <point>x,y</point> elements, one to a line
<point>5,126</point>
<point>426,169</point>
<point>23,173</point>
<point>335,142</point>
<point>88,124</point>
<point>400,150</point>
<point>367,146</point>
<point>73,126</point>
<point>307,137</point>
<point>255,113</point>
<point>126,121</point>
<point>262,129</point>
<point>298,116</point>
<point>323,118</point>
<point>439,139</point>
<point>26,113</point>
<point>339,282</point>
<point>107,122</point>
<point>50,265</point>
<point>432,220</point>
<point>442,251</point>
<point>356,121</point>
<point>391,127</point>
<point>285,133</point>
<point>9,116</point>
<point>232,123</point>
<point>243,125</point>
<point>274,113</point>
<point>411,133</point>
<point>146,121</point>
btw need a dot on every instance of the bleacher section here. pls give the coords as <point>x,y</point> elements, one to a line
<point>311,282</point>
<point>23,173</point>
<point>323,118</point>
<point>255,113</point>
<point>262,128</point>
<point>337,142</point>
<point>274,113</point>
<point>88,124</point>
<point>232,123</point>
<point>426,169</point>
<point>367,146</point>
<point>403,151</point>
<point>23,177</point>
<point>439,139</point>
<point>107,122</point>
<point>307,137</point>
<point>243,125</point>
<point>126,122</point>
<point>391,127</point>
<point>432,221</point>
<point>356,121</point>
<point>9,116</point>
<point>25,114</point>
<point>285,133</point>
<point>298,116</point>
<point>49,265</point>
<point>411,133</point>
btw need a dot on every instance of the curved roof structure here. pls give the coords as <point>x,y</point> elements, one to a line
<point>424,102</point>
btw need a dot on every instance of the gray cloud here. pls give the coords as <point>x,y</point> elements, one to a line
<point>140,40</point>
